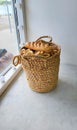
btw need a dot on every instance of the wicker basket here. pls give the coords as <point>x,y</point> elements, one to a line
<point>41,72</point>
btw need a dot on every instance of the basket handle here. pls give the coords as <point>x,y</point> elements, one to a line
<point>44,37</point>
<point>16,60</point>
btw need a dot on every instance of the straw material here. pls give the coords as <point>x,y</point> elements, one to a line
<point>41,72</point>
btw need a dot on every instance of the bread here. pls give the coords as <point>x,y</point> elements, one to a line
<point>40,46</point>
<point>41,53</point>
<point>25,51</point>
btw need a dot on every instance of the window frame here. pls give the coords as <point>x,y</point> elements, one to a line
<point>7,76</point>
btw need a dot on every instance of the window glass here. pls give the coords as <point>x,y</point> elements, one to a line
<point>8,34</point>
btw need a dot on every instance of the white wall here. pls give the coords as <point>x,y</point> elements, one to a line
<point>57,18</point>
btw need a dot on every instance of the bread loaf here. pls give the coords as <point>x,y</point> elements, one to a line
<point>40,46</point>
<point>25,51</point>
<point>42,54</point>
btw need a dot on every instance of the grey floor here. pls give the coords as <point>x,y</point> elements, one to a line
<point>23,109</point>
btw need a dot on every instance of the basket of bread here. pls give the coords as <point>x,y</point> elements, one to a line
<point>40,61</point>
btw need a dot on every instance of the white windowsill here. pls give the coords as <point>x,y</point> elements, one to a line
<point>7,76</point>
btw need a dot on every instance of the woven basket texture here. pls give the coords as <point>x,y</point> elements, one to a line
<point>41,73</point>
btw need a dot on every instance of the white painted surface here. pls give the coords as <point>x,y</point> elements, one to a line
<point>57,18</point>
<point>7,76</point>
